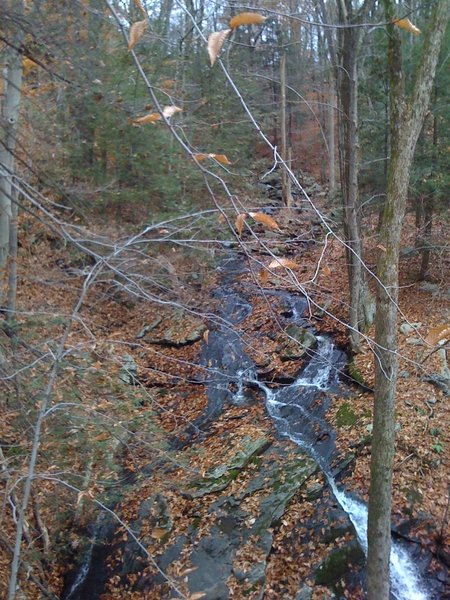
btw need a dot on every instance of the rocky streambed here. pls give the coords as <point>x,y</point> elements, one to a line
<point>270,517</point>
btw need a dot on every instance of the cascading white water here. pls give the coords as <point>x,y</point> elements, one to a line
<point>320,374</point>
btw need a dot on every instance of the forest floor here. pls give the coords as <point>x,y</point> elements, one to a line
<point>113,442</point>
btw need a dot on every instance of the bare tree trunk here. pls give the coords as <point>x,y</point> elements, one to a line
<point>425,239</point>
<point>344,55</point>
<point>285,179</point>
<point>347,85</point>
<point>428,213</point>
<point>9,119</point>
<point>331,144</point>
<point>406,119</point>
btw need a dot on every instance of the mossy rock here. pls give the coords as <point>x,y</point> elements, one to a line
<point>299,341</point>
<point>220,477</point>
<point>356,374</point>
<point>338,562</point>
<point>345,416</point>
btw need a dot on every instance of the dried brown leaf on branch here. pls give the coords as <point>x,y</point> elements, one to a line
<point>222,158</point>
<point>215,43</point>
<point>140,7</point>
<point>150,118</point>
<point>277,263</point>
<point>407,26</point>
<point>437,334</point>
<point>239,223</point>
<point>137,30</point>
<point>246,18</point>
<point>265,220</point>
<point>168,111</point>
<point>283,262</point>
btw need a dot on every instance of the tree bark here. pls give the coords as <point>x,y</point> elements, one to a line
<point>344,56</point>
<point>9,120</point>
<point>285,179</point>
<point>331,145</point>
<point>406,121</point>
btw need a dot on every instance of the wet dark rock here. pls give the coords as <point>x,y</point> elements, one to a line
<point>296,342</point>
<point>442,383</point>
<point>305,593</point>
<point>180,334</point>
<point>219,478</point>
<point>282,476</point>
<point>338,563</point>
<point>147,328</point>
<point>128,372</point>
<point>155,514</point>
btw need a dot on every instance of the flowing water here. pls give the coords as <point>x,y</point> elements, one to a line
<point>299,413</point>
<point>297,409</point>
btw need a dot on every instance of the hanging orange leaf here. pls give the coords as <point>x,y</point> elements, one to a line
<point>246,18</point>
<point>215,43</point>
<point>150,118</point>
<point>407,26</point>
<point>326,270</point>
<point>137,30</point>
<point>169,111</point>
<point>140,7</point>
<point>265,220</point>
<point>283,262</point>
<point>239,223</point>
<point>437,334</point>
<point>222,158</point>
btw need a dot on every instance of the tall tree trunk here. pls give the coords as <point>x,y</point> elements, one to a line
<point>331,144</point>
<point>344,55</point>
<point>9,120</point>
<point>406,121</point>
<point>347,87</point>
<point>428,210</point>
<point>285,179</point>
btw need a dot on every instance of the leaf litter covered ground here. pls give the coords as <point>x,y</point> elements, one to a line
<point>115,442</point>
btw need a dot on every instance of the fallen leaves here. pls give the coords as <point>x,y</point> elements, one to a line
<point>438,334</point>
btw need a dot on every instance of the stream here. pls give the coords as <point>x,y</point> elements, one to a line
<point>298,409</point>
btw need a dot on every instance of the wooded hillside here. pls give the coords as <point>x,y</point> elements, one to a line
<point>224,300</point>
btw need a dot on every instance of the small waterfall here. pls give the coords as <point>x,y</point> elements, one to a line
<point>321,374</point>
<point>405,583</point>
<point>82,572</point>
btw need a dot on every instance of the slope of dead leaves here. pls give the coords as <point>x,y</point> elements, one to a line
<point>166,374</point>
